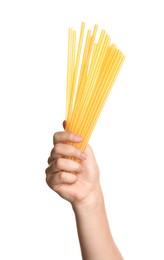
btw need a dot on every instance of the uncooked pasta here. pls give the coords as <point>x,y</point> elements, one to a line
<point>91,72</point>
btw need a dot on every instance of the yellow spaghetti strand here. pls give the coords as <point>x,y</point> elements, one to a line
<point>89,83</point>
<point>73,87</point>
<point>92,76</point>
<point>70,71</point>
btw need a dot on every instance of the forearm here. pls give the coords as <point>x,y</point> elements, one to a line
<point>94,233</point>
<point>83,191</point>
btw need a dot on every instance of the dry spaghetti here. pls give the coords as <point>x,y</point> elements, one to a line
<point>91,74</point>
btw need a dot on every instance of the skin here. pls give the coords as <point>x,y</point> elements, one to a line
<point>77,181</point>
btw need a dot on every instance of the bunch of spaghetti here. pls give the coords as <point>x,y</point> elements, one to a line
<point>91,72</point>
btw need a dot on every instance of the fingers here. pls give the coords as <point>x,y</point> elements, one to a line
<point>65,165</point>
<point>61,137</point>
<point>62,171</point>
<point>66,150</point>
<point>57,179</point>
<point>62,148</point>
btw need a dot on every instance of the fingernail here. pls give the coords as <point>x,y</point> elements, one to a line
<point>78,138</point>
<point>83,155</point>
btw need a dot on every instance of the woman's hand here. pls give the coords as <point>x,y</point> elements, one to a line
<point>78,182</point>
<point>74,180</point>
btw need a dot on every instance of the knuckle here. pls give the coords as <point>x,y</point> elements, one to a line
<point>55,137</point>
<point>59,163</point>
<point>46,170</point>
<point>56,148</point>
<point>49,160</point>
<point>62,176</point>
<point>49,181</point>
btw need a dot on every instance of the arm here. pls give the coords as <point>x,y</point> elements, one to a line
<point>78,182</point>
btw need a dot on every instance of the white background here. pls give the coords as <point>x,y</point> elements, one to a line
<point>128,140</point>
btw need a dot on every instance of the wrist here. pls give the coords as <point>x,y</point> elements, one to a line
<point>93,202</point>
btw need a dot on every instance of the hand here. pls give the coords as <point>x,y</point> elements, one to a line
<point>76,181</point>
